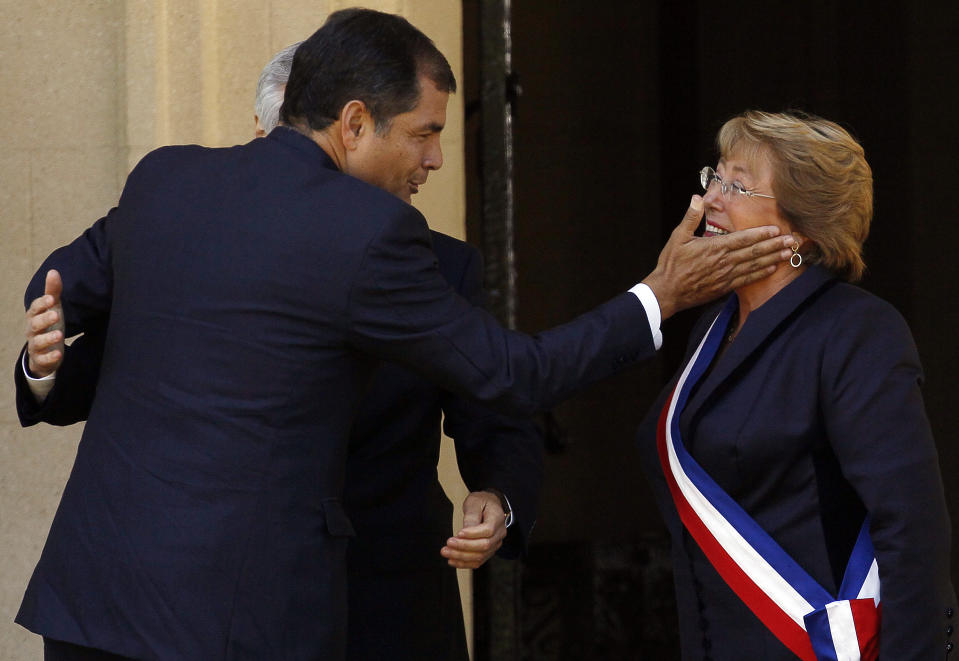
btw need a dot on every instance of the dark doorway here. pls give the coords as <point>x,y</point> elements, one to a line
<point>619,107</point>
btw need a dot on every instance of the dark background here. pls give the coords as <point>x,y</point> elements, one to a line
<point>620,105</point>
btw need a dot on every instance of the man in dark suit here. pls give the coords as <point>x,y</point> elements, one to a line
<point>392,496</point>
<point>247,289</point>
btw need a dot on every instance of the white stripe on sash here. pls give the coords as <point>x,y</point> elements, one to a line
<point>742,553</point>
<point>870,586</point>
<point>829,621</point>
<point>843,629</point>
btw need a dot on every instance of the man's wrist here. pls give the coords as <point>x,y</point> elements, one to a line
<point>40,386</point>
<point>650,302</point>
<point>504,503</point>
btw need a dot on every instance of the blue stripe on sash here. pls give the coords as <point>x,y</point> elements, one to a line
<point>758,538</point>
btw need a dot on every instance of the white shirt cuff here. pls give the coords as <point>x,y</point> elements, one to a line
<point>653,313</point>
<point>509,517</point>
<point>39,386</point>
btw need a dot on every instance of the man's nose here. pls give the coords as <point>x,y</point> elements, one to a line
<point>433,159</point>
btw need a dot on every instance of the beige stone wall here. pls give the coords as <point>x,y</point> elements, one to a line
<point>89,86</point>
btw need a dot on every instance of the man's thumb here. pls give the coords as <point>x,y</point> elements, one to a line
<point>54,284</point>
<point>694,214</point>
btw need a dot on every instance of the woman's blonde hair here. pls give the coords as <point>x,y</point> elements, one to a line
<point>821,181</point>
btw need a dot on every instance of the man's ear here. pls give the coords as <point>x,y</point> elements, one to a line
<point>258,131</point>
<point>355,123</point>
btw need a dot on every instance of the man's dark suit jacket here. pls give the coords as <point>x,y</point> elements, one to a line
<point>809,420</point>
<point>393,496</point>
<point>248,290</point>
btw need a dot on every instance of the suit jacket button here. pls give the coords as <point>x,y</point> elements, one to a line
<point>948,647</point>
<point>949,630</point>
<point>949,612</point>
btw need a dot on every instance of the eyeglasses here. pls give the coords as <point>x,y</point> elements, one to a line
<point>707,176</point>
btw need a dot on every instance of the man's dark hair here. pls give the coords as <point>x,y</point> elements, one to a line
<point>361,54</point>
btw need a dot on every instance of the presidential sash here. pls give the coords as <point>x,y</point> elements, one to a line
<point>789,602</point>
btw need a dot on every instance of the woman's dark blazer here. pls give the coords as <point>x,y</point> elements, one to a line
<point>809,420</point>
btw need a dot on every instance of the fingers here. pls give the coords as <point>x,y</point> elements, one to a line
<point>751,256</point>
<point>53,285</point>
<point>45,341</point>
<point>473,508</point>
<point>694,215</point>
<point>748,237</point>
<point>38,323</point>
<point>752,276</point>
<point>472,514</point>
<point>483,532</point>
<point>45,352</point>
<point>765,253</point>
<point>42,364</point>
<point>41,304</point>
<point>474,545</point>
<point>478,531</point>
<point>470,553</point>
<point>45,328</point>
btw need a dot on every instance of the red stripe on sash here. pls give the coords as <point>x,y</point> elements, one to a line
<point>866,614</point>
<point>769,613</point>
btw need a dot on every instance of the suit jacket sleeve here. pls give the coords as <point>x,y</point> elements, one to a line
<point>492,450</point>
<point>401,309</point>
<point>877,425</point>
<point>85,268</point>
<point>71,397</point>
<point>87,274</point>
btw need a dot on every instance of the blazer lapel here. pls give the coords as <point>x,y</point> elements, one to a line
<point>761,324</point>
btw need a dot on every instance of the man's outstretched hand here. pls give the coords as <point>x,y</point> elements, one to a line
<point>693,270</point>
<point>484,529</point>
<point>45,329</point>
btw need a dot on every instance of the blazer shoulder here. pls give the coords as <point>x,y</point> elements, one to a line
<point>172,165</point>
<point>361,198</point>
<point>452,248</point>
<point>172,154</point>
<point>460,264</point>
<point>849,307</point>
<point>848,294</point>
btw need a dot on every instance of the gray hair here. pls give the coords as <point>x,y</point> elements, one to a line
<point>270,87</point>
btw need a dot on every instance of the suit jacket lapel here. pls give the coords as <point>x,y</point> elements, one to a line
<point>761,324</point>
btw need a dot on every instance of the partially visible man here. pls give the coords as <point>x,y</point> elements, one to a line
<point>269,90</point>
<point>247,290</point>
<point>393,496</point>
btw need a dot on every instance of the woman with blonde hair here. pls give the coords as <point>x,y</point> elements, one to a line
<point>791,456</point>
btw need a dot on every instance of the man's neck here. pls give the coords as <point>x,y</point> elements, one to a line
<point>333,148</point>
<point>327,142</point>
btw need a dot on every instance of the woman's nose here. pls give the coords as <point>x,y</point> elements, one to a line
<point>714,194</point>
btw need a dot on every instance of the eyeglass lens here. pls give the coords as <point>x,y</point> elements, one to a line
<point>707,176</point>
